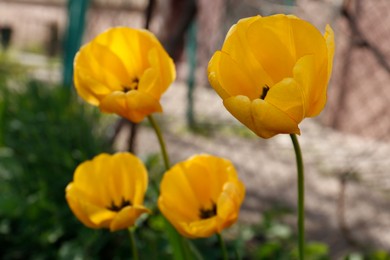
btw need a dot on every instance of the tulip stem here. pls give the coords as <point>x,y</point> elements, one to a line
<point>132,242</point>
<point>223,247</point>
<point>301,197</point>
<point>179,244</point>
<point>161,141</point>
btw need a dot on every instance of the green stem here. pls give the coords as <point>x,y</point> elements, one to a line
<point>161,141</point>
<point>223,247</point>
<point>132,242</point>
<point>301,197</point>
<point>179,244</point>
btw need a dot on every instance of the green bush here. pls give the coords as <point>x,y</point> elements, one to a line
<point>44,134</point>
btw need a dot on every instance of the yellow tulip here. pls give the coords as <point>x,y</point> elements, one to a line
<point>108,191</point>
<point>272,72</point>
<point>201,196</point>
<point>124,71</point>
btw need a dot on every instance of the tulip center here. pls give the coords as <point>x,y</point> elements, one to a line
<point>133,86</point>
<point>265,92</point>
<point>205,213</point>
<point>117,208</point>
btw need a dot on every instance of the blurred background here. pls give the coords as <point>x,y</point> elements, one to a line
<point>46,130</point>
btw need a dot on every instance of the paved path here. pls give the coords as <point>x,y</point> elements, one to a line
<point>267,167</point>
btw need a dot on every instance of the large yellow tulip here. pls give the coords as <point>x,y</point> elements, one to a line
<point>272,72</point>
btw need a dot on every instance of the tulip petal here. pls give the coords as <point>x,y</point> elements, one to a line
<point>166,65</point>
<point>88,178</point>
<point>118,180</point>
<point>237,47</point>
<point>127,217</point>
<point>241,25</point>
<point>271,42</point>
<point>127,179</point>
<point>288,97</point>
<point>202,228</point>
<point>329,38</point>
<point>126,43</point>
<point>71,197</point>
<point>211,165</point>
<point>196,174</point>
<point>178,210</point>
<point>254,116</point>
<point>212,71</point>
<point>270,121</point>
<point>163,72</point>
<point>133,105</point>
<point>89,214</point>
<point>313,84</point>
<point>203,167</point>
<point>179,194</point>
<point>148,82</point>
<point>231,77</point>
<point>89,88</point>
<point>308,40</point>
<point>175,212</point>
<point>100,216</point>
<point>240,108</point>
<point>138,177</point>
<point>228,204</point>
<point>261,117</point>
<point>103,65</point>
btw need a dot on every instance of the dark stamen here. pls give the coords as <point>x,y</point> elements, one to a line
<point>133,86</point>
<point>265,91</point>
<point>205,213</point>
<point>123,204</point>
<point>126,89</point>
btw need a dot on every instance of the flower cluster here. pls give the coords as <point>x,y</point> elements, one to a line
<point>272,72</point>
<point>200,196</point>
<point>125,71</point>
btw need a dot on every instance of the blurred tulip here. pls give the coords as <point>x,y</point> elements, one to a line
<point>124,71</point>
<point>201,196</point>
<point>108,191</point>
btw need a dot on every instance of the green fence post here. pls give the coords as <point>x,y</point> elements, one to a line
<point>191,52</point>
<point>77,10</point>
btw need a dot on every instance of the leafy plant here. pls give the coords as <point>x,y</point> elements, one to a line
<point>44,134</point>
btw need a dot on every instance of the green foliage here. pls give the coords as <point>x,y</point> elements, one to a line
<point>44,134</point>
<point>274,240</point>
<point>373,255</point>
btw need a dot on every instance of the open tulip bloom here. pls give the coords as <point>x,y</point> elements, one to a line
<point>201,196</point>
<point>272,72</point>
<point>124,71</point>
<point>108,191</point>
